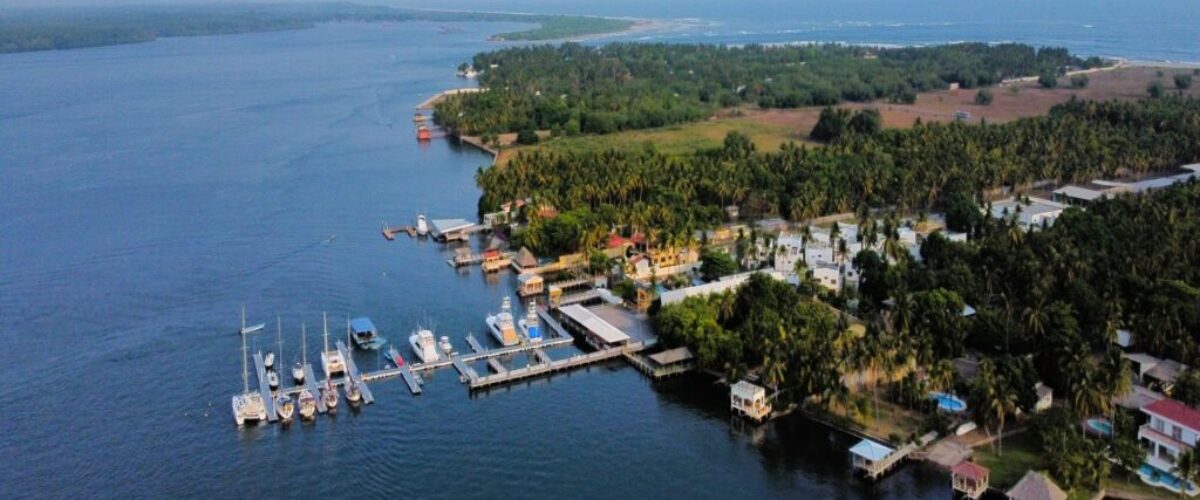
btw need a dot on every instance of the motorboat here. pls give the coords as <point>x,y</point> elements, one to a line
<point>364,334</point>
<point>273,380</point>
<point>269,361</point>
<point>422,225</point>
<point>394,356</point>
<point>298,373</point>
<point>308,404</point>
<point>445,345</point>
<point>424,345</point>
<point>530,327</point>
<point>501,325</point>
<point>285,407</point>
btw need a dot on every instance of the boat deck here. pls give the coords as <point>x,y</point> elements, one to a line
<point>264,388</point>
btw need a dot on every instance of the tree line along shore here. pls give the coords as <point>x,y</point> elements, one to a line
<point>24,30</point>
<point>1046,300</point>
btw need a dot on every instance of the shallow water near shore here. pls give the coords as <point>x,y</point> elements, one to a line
<point>152,190</point>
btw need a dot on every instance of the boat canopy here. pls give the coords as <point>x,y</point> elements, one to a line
<point>362,325</point>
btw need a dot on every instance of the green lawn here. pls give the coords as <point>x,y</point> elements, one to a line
<point>1021,453</point>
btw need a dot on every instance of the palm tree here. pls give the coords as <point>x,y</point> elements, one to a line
<point>1002,402</point>
<point>1187,468</point>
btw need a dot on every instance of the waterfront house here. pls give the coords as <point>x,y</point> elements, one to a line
<point>525,260</point>
<point>530,284</point>
<point>598,332</point>
<point>494,260</point>
<point>1034,486</point>
<point>749,400</point>
<point>969,478</point>
<point>1172,430</point>
<point>872,458</point>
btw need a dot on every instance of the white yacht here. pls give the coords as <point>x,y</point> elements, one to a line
<point>445,345</point>
<point>272,380</point>
<point>330,395</point>
<point>424,345</point>
<point>298,373</point>
<point>501,325</point>
<point>353,394</point>
<point>422,225</point>
<point>530,327</point>
<point>331,360</point>
<point>248,406</point>
<point>269,361</point>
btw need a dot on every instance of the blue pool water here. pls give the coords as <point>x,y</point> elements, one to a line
<point>947,402</point>
<point>1151,475</point>
<point>1100,426</point>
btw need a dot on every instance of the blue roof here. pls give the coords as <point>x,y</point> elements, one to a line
<point>364,324</point>
<point>871,450</point>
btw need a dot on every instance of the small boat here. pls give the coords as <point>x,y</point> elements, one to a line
<point>308,404</point>
<point>285,407</point>
<point>529,324</point>
<point>394,356</point>
<point>353,394</point>
<point>501,325</point>
<point>330,395</point>
<point>273,380</point>
<point>298,373</point>
<point>364,334</point>
<point>298,370</point>
<point>269,361</point>
<point>423,133</point>
<point>445,345</point>
<point>247,330</point>
<point>424,345</point>
<point>422,225</point>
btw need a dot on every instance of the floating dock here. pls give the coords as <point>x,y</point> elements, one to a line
<point>474,344</point>
<point>310,383</point>
<point>535,370</point>
<point>353,375</point>
<point>264,388</point>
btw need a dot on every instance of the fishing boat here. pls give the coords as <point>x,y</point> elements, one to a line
<point>530,327</point>
<point>501,325</point>
<point>394,356</point>
<point>308,404</point>
<point>273,380</point>
<point>330,395</point>
<point>331,360</point>
<point>285,407</point>
<point>445,345</point>
<point>248,406</point>
<point>424,345</point>
<point>353,394</point>
<point>364,334</point>
<point>422,225</point>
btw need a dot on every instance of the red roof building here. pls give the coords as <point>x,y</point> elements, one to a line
<point>969,478</point>
<point>1176,412</point>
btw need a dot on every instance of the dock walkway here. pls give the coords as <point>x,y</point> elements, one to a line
<point>310,381</point>
<point>572,362</point>
<point>474,344</point>
<point>265,389</point>
<point>579,298</point>
<point>353,374</point>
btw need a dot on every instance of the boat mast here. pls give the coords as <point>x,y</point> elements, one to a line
<point>279,335</point>
<point>347,331</point>
<point>325,318</point>
<point>245,369</point>
<point>303,345</point>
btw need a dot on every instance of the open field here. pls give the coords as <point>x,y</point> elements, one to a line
<point>770,128</point>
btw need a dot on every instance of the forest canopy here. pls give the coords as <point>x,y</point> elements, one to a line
<point>623,86</point>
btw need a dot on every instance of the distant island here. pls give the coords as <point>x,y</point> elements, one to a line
<point>26,30</point>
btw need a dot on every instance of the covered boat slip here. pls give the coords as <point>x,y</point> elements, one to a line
<point>453,229</point>
<point>875,459</point>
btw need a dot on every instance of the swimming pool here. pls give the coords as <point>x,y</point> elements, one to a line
<point>1099,426</point>
<point>948,402</point>
<point>1154,477</point>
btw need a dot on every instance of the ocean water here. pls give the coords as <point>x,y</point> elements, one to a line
<point>1151,30</point>
<point>150,191</point>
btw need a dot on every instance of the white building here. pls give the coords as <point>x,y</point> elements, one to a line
<point>788,251</point>
<point>724,284</point>
<point>1033,214</point>
<point>1171,431</point>
<point>749,400</point>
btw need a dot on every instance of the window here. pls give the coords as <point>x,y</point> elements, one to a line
<point>1158,424</point>
<point>1176,433</point>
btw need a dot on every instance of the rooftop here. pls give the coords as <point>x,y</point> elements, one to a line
<point>1034,486</point>
<point>594,324</point>
<point>671,356</point>
<point>1175,411</point>
<point>970,469</point>
<point>871,450</point>
<point>358,325</point>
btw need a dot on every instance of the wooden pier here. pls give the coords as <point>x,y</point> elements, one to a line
<point>496,367</point>
<point>264,388</point>
<point>389,233</point>
<point>578,298</point>
<point>411,379</point>
<point>570,363</point>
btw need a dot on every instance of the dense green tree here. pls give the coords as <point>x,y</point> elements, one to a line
<point>832,124</point>
<point>1155,89</point>
<point>1079,81</point>
<point>866,122</point>
<point>527,136</point>
<point>715,264</point>
<point>1048,79</point>
<point>983,97</point>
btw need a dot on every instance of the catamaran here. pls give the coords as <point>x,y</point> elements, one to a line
<point>364,334</point>
<point>248,406</point>
<point>331,360</point>
<point>529,324</point>
<point>502,325</point>
<point>424,345</point>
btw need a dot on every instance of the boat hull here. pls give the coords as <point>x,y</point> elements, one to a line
<point>425,357</point>
<point>494,326</point>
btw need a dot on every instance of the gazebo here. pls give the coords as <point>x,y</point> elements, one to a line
<point>969,478</point>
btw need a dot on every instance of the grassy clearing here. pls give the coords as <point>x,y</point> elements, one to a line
<point>1021,453</point>
<point>673,140</point>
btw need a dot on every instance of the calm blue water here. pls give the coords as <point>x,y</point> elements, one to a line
<point>149,191</point>
<point>1155,30</point>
